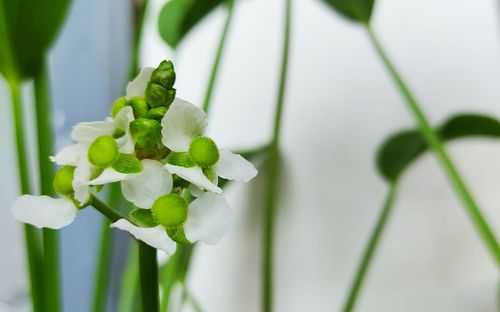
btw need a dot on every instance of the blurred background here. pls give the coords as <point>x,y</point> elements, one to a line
<point>340,105</point>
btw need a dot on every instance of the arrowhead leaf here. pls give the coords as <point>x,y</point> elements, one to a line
<point>356,10</point>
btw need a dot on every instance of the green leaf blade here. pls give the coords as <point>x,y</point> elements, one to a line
<point>355,10</point>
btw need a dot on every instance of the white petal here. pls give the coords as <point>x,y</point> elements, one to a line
<point>151,183</point>
<point>87,132</point>
<point>44,211</point>
<point>234,167</point>
<point>81,177</point>
<point>155,236</point>
<point>110,175</point>
<point>69,155</point>
<point>194,175</point>
<point>124,117</point>
<point>126,144</point>
<point>137,87</point>
<point>181,124</point>
<point>208,219</point>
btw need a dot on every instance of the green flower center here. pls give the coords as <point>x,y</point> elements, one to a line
<point>103,151</point>
<point>204,152</point>
<point>63,180</point>
<point>170,210</point>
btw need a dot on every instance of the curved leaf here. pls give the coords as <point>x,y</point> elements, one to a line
<point>356,10</point>
<point>178,17</point>
<point>31,27</point>
<point>402,148</point>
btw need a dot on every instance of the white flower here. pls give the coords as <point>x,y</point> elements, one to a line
<point>185,122</point>
<point>207,221</point>
<point>44,211</point>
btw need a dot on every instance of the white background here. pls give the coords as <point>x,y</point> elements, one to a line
<point>340,105</point>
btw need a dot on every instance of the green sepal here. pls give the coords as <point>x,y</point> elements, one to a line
<point>164,74</point>
<point>98,188</point>
<point>146,132</point>
<point>209,173</point>
<point>180,159</point>
<point>127,163</point>
<point>157,113</point>
<point>176,233</point>
<point>142,217</point>
<point>179,182</point>
<point>139,106</point>
<point>120,103</point>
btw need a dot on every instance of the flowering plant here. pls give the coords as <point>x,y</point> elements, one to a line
<point>153,144</point>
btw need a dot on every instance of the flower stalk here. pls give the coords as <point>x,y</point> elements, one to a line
<point>148,268</point>
<point>271,197</point>
<point>437,147</point>
<point>46,173</point>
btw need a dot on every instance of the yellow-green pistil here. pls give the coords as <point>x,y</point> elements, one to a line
<point>103,151</point>
<point>204,152</point>
<point>63,180</point>
<point>170,210</point>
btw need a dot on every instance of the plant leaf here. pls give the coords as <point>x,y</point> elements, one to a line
<point>356,10</point>
<point>402,148</point>
<point>31,26</point>
<point>178,17</point>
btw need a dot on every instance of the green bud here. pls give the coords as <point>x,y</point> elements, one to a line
<point>170,210</point>
<point>126,163</point>
<point>139,105</point>
<point>156,95</point>
<point>103,151</point>
<point>176,233</point>
<point>164,74</point>
<point>142,217</point>
<point>118,105</point>
<point>146,132</point>
<point>204,151</point>
<point>180,159</point>
<point>157,113</point>
<point>63,180</point>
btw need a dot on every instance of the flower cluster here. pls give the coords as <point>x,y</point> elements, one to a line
<point>153,144</point>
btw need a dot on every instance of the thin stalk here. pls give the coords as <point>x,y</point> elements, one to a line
<point>218,57</point>
<point>130,286</point>
<point>148,268</point>
<point>103,268</point>
<point>271,197</point>
<point>437,147</point>
<point>112,214</point>
<point>139,10</point>
<point>34,255</point>
<point>370,248</point>
<point>46,173</point>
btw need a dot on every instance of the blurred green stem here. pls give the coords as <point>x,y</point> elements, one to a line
<point>370,248</point>
<point>148,268</point>
<point>45,136</point>
<point>218,56</point>
<point>271,196</point>
<point>139,11</point>
<point>130,286</point>
<point>434,142</point>
<point>34,255</point>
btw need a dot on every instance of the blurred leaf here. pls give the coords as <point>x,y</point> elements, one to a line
<point>357,10</point>
<point>464,125</point>
<point>178,17</point>
<point>31,27</point>
<point>402,148</point>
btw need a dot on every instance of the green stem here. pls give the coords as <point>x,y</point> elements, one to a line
<point>437,147</point>
<point>139,10</point>
<point>46,173</point>
<point>271,197</point>
<point>103,268</point>
<point>148,268</point>
<point>112,214</point>
<point>129,290</point>
<point>34,255</point>
<point>218,56</point>
<point>370,248</point>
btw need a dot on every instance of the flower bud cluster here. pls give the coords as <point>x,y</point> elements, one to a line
<point>154,145</point>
